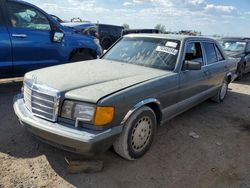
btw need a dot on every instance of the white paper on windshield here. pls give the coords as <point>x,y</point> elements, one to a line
<point>165,49</point>
<point>171,44</point>
<point>241,43</point>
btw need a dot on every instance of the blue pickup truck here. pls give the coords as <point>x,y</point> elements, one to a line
<point>31,39</point>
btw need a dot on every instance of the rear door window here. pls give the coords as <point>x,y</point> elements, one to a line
<point>210,52</point>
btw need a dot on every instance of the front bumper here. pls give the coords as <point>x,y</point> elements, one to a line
<point>61,135</point>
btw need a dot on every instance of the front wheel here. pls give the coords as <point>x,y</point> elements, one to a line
<point>137,135</point>
<point>106,44</point>
<point>81,56</point>
<point>222,92</point>
<point>241,71</point>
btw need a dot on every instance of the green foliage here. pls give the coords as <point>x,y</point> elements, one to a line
<point>126,26</point>
<point>161,28</point>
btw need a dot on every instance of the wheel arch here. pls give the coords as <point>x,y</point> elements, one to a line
<point>108,39</point>
<point>229,77</point>
<point>152,103</point>
<point>81,50</point>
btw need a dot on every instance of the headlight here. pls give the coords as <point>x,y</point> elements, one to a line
<point>73,110</point>
<point>88,113</point>
<point>84,112</point>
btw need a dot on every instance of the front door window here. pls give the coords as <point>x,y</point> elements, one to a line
<point>23,16</point>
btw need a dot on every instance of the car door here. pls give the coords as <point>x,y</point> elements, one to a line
<point>30,33</point>
<point>193,83</point>
<point>216,64</point>
<point>248,57</point>
<point>5,48</point>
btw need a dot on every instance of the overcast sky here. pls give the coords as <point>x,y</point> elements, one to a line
<point>224,17</point>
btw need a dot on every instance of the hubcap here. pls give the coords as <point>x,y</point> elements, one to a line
<point>141,134</point>
<point>223,91</point>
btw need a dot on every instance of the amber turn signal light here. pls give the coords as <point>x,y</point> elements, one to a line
<point>103,115</point>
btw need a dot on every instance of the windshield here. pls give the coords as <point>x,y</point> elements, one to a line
<point>235,46</point>
<point>149,52</point>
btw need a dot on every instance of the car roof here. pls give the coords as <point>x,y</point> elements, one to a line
<point>110,25</point>
<point>168,36</point>
<point>235,38</point>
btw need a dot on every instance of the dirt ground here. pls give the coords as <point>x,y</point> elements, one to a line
<point>219,158</point>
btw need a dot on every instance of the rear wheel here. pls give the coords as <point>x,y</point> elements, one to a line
<point>137,135</point>
<point>222,92</point>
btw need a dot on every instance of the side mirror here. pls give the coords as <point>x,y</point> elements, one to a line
<point>192,65</point>
<point>58,36</point>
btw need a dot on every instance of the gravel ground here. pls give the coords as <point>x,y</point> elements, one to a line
<point>220,157</point>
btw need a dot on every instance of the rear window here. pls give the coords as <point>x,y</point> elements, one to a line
<point>219,54</point>
<point>210,52</point>
<point>149,52</point>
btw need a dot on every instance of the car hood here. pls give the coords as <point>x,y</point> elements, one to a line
<point>77,26</point>
<point>234,54</point>
<point>92,80</point>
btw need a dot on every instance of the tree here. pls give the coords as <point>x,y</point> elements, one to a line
<point>161,28</point>
<point>126,26</point>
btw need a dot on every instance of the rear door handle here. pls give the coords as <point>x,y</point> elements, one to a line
<point>19,35</point>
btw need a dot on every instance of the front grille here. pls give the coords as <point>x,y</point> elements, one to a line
<point>41,100</point>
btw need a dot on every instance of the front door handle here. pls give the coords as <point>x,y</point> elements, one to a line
<point>19,35</point>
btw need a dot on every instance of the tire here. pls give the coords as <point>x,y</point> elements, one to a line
<point>106,44</point>
<point>137,135</point>
<point>241,71</point>
<point>222,92</point>
<point>81,57</point>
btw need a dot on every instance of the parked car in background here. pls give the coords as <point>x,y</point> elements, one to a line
<point>120,99</point>
<point>84,28</point>
<point>107,34</point>
<point>76,20</point>
<point>130,31</point>
<point>238,48</point>
<point>31,39</point>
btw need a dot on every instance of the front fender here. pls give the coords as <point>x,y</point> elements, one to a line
<point>139,105</point>
<point>78,41</point>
